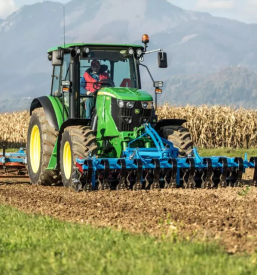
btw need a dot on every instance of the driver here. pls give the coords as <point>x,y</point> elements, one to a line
<point>88,84</point>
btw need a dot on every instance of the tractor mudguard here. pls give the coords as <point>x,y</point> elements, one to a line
<point>47,105</point>
<point>67,123</point>
<point>168,122</point>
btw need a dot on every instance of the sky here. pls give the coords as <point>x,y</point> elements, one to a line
<point>241,10</point>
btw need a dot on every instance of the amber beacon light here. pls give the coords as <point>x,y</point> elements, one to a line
<point>145,39</point>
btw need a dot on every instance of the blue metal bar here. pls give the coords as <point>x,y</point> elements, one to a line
<point>181,163</point>
<point>19,160</point>
<point>155,137</point>
<point>136,139</point>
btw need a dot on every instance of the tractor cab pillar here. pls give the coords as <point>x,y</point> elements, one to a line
<point>74,96</point>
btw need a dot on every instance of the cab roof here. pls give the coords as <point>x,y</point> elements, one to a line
<point>95,45</point>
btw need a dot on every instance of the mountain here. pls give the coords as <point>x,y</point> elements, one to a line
<point>197,44</point>
<point>234,86</point>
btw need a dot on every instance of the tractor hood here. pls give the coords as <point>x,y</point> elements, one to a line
<point>131,94</point>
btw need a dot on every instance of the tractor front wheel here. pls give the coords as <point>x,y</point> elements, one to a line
<point>77,142</point>
<point>180,137</point>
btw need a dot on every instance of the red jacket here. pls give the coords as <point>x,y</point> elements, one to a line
<point>90,81</point>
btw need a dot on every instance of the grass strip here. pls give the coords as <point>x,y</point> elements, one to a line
<point>228,152</point>
<point>33,244</point>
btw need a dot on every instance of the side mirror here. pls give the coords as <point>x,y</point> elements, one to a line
<point>57,58</point>
<point>158,84</point>
<point>162,60</point>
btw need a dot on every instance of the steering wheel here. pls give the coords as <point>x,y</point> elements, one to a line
<point>103,83</point>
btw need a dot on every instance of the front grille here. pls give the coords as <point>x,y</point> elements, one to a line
<point>147,112</point>
<point>126,112</point>
<point>137,114</point>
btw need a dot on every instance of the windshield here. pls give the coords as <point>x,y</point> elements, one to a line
<point>117,64</point>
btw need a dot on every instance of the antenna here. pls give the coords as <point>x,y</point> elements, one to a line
<point>64,24</point>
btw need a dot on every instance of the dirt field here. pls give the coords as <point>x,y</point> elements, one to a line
<point>227,215</point>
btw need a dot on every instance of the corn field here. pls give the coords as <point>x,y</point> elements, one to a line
<point>210,127</point>
<point>13,129</point>
<point>216,126</point>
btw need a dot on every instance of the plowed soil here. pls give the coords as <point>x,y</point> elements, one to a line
<point>227,215</point>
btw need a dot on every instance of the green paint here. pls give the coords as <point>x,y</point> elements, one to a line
<point>58,108</point>
<point>94,45</point>
<point>108,131</point>
<point>126,93</point>
<point>53,160</point>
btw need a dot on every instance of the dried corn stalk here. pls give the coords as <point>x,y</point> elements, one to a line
<point>13,129</point>
<point>211,127</point>
<point>216,126</point>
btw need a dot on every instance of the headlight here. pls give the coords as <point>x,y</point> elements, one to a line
<point>139,52</point>
<point>130,104</point>
<point>131,51</point>
<point>151,105</point>
<point>145,105</point>
<point>120,103</point>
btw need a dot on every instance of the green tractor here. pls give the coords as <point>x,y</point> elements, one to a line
<point>122,145</point>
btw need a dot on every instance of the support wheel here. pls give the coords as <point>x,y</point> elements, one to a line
<point>77,142</point>
<point>180,137</point>
<point>41,140</point>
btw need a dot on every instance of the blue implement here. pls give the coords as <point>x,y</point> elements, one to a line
<point>160,167</point>
<point>13,166</point>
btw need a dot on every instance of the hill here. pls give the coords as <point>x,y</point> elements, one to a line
<point>234,86</point>
<point>196,43</point>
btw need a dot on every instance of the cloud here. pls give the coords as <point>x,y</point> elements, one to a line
<point>215,4</point>
<point>6,7</point>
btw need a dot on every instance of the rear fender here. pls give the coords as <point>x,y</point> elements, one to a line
<point>47,105</point>
<point>168,122</point>
<point>50,110</point>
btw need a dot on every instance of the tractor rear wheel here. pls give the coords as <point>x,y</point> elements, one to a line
<point>180,137</point>
<point>77,142</point>
<point>41,139</point>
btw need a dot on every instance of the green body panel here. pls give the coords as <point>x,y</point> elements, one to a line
<point>58,108</point>
<point>107,132</point>
<point>126,94</point>
<point>93,45</point>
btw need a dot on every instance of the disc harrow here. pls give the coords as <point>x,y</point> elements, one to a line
<point>13,166</point>
<point>160,167</point>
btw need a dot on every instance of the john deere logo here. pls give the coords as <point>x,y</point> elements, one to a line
<point>137,111</point>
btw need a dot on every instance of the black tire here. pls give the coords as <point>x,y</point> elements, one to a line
<point>48,137</point>
<point>82,142</point>
<point>180,137</point>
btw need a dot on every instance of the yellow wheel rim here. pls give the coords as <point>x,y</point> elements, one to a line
<point>67,160</point>
<point>35,149</point>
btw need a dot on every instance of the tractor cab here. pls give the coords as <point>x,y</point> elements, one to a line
<point>72,74</point>
<point>116,64</point>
